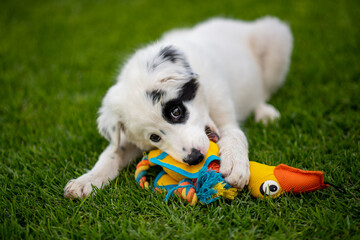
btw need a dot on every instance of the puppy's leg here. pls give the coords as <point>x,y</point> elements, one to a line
<point>234,156</point>
<point>233,145</point>
<point>266,113</point>
<point>107,168</point>
<point>271,41</point>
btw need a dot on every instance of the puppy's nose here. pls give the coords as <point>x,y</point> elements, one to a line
<point>194,157</point>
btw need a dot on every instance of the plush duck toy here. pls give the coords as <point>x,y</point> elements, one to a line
<point>204,183</point>
<point>275,180</point>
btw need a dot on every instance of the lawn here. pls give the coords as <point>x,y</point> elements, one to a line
<point>58,58</point>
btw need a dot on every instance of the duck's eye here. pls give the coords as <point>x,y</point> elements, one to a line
<point>269,188</point>
<point>155,138</point>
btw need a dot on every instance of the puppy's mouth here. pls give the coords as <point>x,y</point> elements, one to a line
<point>196,156</point>
<point>212,135</point>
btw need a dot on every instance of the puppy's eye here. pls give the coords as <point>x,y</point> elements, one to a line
<point>176,112</point>
<point>155,138</point>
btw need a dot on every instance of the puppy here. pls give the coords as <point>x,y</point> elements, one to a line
<point>190,84</point>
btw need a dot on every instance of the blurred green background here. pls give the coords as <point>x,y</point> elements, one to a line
<point>58,58</point>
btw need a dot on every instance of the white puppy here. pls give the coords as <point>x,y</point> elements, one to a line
<point>207,77</point>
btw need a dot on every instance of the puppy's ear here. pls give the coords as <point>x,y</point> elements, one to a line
<point>109,126</point>
<point>172,55</point>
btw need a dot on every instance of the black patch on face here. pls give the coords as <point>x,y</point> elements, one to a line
<point>155,95</point>
<point>188,90</point>
<point>169,107</point>
<point>187,93</point>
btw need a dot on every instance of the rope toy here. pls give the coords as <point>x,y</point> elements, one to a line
<point>204,183</point>
<point>201,182</point>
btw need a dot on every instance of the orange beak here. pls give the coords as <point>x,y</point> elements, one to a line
<point>299,181</point>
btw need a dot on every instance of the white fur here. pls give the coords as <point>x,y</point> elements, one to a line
<point>239,65</point>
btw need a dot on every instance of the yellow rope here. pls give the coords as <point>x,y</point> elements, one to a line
<point>229,193</point>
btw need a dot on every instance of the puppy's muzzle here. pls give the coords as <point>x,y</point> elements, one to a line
<point>194,157</point>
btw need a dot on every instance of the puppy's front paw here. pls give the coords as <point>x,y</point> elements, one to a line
<point>80,187</point>
<point>235,170</point>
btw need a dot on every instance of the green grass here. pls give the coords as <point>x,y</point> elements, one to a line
<point>57,59</point>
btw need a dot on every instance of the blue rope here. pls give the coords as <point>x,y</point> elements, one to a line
<point>205,184</point>
<point>172,190</point>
